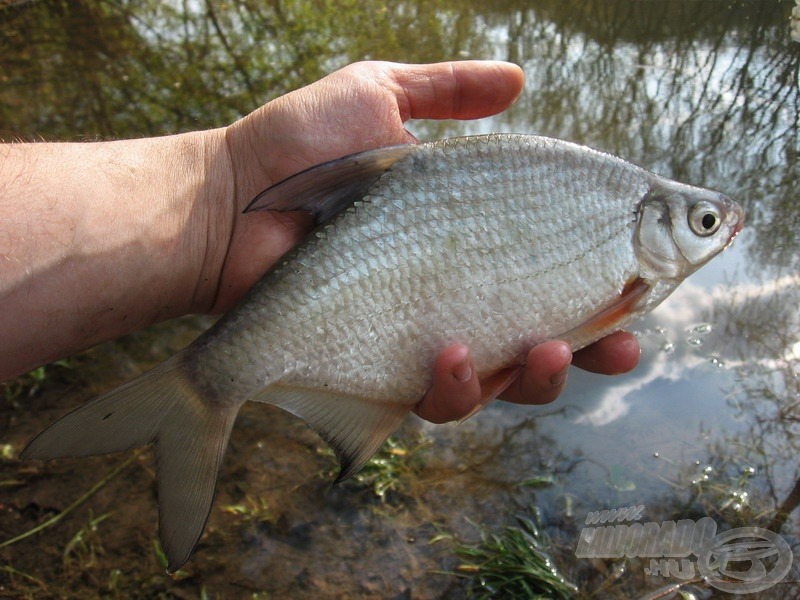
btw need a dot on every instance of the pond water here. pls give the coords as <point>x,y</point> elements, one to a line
<point>709,424</point>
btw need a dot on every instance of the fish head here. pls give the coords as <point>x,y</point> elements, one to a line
<point>681,227</point>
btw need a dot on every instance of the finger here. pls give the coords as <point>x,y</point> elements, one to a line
<point>612,355</point>
<point>544,377</point>
<point>455,90</point>
<point>455,391</point>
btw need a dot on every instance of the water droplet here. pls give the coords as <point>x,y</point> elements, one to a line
<point>748,471</point>
<point>717,362</point>
<point>708,469</point>
<point>655,454</point>
<point>694,341</point>
<point>667,347</point>
<point>660,330</point>
<point>701,329</point>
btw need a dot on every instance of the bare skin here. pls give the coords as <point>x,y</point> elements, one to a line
<point>101,239</point>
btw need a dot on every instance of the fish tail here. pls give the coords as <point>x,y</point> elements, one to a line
<point>190,431</point>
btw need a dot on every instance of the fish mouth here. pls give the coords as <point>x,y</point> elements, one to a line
<point>739,226</point>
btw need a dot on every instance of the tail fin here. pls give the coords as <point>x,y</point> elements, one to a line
<point>190,433</point>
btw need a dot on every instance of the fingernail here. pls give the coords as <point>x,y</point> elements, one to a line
<point>463,371</point>
<point>560,377</point>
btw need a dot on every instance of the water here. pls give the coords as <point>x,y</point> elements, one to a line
<point>703,92</point>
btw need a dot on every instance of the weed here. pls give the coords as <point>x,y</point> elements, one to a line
<point>254,509</point>
<point>392,465</point>
<point>163,561</point>
<point>82,550</point>
<point>32,382</point>
<point>78,502</point>
<point>512,564</point>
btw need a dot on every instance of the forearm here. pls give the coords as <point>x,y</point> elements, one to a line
<point>100,239</point>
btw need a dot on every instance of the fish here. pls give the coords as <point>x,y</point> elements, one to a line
<point>498,241</point>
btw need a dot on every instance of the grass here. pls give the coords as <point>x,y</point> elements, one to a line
<point>77,503</point>
<point>392,467</point>
<point>254,509</point>
<point>517,561</point>
<point>33,381</point>
<point>83,550</point>
<point>513,563</point>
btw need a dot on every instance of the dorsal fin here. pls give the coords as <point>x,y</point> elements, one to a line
<point>326,189</point>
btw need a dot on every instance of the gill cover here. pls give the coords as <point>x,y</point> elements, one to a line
<point>680,228</point>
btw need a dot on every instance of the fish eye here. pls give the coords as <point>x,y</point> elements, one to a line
<point>704,219</point>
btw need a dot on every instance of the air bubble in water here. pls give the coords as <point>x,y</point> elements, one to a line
<point>701,329</point>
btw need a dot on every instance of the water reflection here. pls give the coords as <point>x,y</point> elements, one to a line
<point>705,92</point>
<point>795,23</point>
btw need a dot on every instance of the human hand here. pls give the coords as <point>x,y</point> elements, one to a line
<point>118,204</point>
<point>365,106</point>
<point>360,107</point>
<point>456,391</point>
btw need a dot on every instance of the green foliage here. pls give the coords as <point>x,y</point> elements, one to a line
<point>512,564</point>
<point>30,383</point>
<point>83,550</point>
<point>253,508</point>
<point>163,561</point>
<point>393,466</point>
<point>132,68</point>
<point>397,460</point>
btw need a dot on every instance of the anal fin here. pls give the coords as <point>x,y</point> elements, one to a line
<point>354,427</point>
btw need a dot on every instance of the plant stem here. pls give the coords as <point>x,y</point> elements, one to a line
<point>91,492</point>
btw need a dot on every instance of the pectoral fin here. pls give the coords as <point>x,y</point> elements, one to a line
<point>354,427</point>
<point>328,188</point>
<point>609,318</point>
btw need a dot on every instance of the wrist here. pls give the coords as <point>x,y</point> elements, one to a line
<point>209,230</point>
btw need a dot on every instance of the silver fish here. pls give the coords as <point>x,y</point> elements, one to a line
<point>498,242</point>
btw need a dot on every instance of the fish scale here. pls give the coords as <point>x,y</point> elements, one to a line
<point>509,278</point>
<point>498,242</point>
